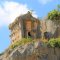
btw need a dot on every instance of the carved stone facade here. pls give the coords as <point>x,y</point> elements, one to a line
<point>25,26</point>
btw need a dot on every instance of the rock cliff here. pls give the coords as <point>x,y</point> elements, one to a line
<point>32,51</point>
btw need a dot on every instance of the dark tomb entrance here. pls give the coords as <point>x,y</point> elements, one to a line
<point>47,35</point>
<point>29,35</point>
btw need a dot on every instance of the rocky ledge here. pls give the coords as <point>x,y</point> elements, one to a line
<point>32,51</point>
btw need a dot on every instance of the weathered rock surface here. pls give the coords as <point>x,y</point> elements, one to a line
<point>32,51</point>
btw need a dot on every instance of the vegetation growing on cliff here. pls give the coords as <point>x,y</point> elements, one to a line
<point>54,42</point>
<point>21,42</point>
<point>54,15</point>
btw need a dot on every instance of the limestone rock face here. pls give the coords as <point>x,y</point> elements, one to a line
<point>51,27</point>
<point>30,51</point>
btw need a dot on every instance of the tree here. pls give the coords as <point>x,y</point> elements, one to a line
<point>54,15</point>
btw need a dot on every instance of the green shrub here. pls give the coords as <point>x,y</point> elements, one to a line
<point>58,42</point>
<point>54,42</point>
<point>21,42</point>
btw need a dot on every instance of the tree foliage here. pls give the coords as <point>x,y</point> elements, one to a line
<point>54,15</point>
